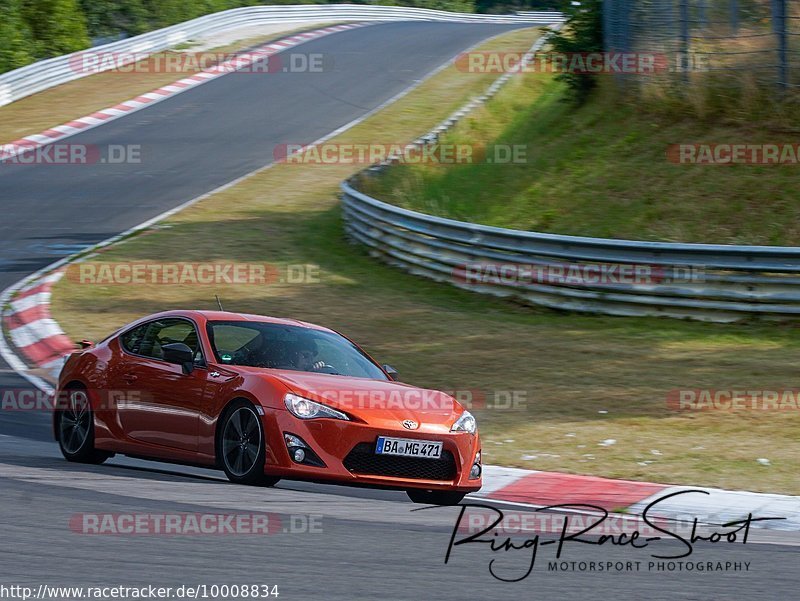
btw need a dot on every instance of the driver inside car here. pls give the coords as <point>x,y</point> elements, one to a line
<point>298,355</point>
<point>303,353</point>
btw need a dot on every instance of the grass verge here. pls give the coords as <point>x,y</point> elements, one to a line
<point>580,380</point>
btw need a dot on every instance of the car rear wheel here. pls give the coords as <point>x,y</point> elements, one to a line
<point>75,429</point>
<point>435,497</point>
<point>241,447</point>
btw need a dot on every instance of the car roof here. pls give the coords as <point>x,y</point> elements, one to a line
<point>230,316</point>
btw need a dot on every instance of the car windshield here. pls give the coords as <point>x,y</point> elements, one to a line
<point>297,348</point>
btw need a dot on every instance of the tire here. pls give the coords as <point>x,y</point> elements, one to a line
<point>75,429</point>
<point>241,446</point>
<point>435,497</point>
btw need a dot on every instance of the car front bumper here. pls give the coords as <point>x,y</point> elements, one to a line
<point>347,450</point>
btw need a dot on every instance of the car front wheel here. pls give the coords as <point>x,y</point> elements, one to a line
<point>75,429</point>
<point>241,447</point>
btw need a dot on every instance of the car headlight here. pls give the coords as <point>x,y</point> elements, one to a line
<point>306,409</point>
<point>465,423</point>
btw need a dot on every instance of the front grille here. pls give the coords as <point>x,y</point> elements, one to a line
<point>363,460</point>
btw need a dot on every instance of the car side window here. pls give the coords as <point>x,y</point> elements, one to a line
<point>132,340</point>
<point>148,339</point>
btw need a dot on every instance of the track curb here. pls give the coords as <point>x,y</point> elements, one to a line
<point>528,488</point>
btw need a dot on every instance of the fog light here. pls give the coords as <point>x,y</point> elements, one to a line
<point>293,441</point>
<point>300,451</point>
<point>475,472</point>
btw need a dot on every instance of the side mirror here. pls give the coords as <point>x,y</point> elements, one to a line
<point>391,371</point>
<point>180,354</point>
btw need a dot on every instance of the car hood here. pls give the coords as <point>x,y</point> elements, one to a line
<point>375,401</point>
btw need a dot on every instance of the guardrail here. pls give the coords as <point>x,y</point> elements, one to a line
<point>55,71</point>
<point>710,282</point>
<point>700,281</point>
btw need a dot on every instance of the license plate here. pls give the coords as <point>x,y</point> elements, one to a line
<point>407,447</point>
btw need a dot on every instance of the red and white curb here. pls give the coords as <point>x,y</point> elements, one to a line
<point>238,62</point>
<point>709,505</point>
<point>33,332</point>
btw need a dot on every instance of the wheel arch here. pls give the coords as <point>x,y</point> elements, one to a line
<point>221,420</point>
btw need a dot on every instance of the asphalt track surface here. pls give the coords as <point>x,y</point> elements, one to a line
<point>371,544</point>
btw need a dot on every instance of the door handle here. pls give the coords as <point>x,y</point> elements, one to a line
<point>129,378</point>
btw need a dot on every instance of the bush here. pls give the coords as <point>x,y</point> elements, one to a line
<point>14,37</point>
<point>462,6</point>
<point>110,18</point>
<point>583,32</point>
<point>57,26</point>
<point>511,6</point>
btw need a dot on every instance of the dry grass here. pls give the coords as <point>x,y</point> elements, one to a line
<point>733,77</point>
<point>566,368</point>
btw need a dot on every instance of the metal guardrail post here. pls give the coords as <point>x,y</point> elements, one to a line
<point>608,6</point>
<point>779,27</point>
<point>684,44</point>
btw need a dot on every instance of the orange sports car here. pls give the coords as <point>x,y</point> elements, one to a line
<point>263,399</point>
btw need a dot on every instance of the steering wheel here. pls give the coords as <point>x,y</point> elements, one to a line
<point>321,367</point>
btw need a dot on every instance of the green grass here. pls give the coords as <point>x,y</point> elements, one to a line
<point>602,170</point>
<point>567,369</point>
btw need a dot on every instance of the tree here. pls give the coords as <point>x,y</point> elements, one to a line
<point>15,38</point>
<point>164,13</point>
<point>58,26</point>
<point>583,32</point>
<point>108,18</point>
